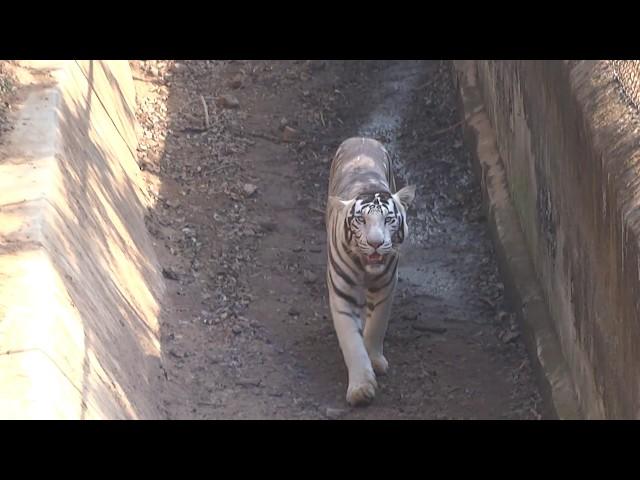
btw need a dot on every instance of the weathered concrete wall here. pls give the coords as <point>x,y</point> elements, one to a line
<point>569,142</point>
<point>79,282</point>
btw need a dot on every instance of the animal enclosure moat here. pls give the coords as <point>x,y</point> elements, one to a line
<point>237,154</point>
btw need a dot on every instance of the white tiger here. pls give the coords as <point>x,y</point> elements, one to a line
<point>366,223</point>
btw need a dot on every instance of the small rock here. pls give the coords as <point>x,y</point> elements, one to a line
<point>170,274</point>
<point>228,101</point>
<point>503,316</point>
<point>309,277</point>
<point>487,301</point>
<point>248,382</point>
<point>297,249</point>
<point>249,189</point>
<point>334,413</point>
<point>294,312</point>
<point>236,82</point>
<point>214,360</point>
<point>289,134</point>
<point>283,123</point>
<point>426,328</point>
<point>510,337</point>
<point>236,330</point>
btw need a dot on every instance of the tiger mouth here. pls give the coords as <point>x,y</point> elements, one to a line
<point>375,259</point>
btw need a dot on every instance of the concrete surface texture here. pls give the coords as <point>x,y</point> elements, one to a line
<point>79,283</point>
<point>521,285</point>
<point>567,135</point>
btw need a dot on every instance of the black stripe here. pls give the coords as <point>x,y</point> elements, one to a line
<point>381,287</point>
<point>377,289</point>
<point>389,266</point>
<point>357,261</point>
<point>336,244</point>
<point>353,315</point>
<point>345,262</point>
<point>341,294</point>
<point>355,318</point>
<point>347,231</point>
<point>383,300</point>
<point>339,271</point>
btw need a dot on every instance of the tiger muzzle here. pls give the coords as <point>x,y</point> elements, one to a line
<point>375,259</point>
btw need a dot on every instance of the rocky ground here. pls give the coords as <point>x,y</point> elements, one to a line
<point>237,154</point>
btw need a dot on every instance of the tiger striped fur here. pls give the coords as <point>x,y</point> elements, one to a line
<point>366,223</point>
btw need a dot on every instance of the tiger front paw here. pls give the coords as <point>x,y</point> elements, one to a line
<point>363,391</point>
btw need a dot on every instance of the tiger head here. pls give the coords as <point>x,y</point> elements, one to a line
<point>375,225</point>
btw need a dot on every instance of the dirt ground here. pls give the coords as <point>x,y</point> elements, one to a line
<point>239,232</point>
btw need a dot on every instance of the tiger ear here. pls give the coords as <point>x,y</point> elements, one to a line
<point>406,195</point>
<point>337,203</point>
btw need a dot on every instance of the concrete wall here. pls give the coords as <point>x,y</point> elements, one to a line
<point>79,281</point>
<point>569,142</point>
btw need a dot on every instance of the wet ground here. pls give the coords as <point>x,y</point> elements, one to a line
<point>239,231</point>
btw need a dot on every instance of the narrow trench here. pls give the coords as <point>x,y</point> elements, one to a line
<point>239,230</point>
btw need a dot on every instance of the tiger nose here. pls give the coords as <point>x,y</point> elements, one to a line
<point>375,243</point>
